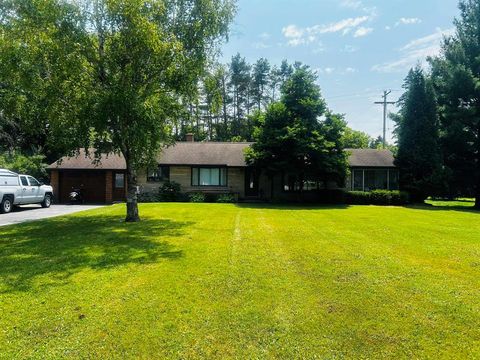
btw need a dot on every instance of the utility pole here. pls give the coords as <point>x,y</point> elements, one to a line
<point>385,103</point>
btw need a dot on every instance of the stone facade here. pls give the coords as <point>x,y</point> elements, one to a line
<point>183,176</point>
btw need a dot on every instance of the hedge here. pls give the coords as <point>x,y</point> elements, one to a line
<point>377,197</point>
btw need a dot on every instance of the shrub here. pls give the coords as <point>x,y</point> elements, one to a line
<point>169,191</point>
<point>226,198</point>
<point>358,198</point>
<point>196,197</point>
<point>32,165</point>
<point>148,197</point>
<point>377,197</point>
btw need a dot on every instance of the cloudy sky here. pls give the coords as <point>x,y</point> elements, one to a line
<point>358,47</point>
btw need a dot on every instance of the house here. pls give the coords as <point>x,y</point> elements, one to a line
<point>210,167</point>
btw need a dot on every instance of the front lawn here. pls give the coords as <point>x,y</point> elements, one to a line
<point>243,281</point>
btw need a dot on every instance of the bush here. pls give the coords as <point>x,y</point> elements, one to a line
<point>226,198</point>
<point>196,197</point>
<point>169,191</point>
<point>377,197</point>
<point>32,165</point>
<point>148,197</point>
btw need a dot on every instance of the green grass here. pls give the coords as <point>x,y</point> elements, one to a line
<point>459,203</point>
<point>251,281</point>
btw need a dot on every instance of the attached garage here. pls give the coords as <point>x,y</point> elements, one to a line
<point>101,182</point>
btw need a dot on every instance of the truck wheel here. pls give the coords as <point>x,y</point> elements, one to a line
<point>47,201</point>
<point>6,205</point>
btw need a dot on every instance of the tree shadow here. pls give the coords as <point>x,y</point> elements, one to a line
<point>63,246</point>
<point>430,207</point>
<point>291,206</point>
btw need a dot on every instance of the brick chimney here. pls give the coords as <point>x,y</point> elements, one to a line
<point>189,137</point>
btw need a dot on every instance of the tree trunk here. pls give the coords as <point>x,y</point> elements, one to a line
<point>477,189</point>
<point>132,203</point>
<point>272,187</point>
<point>477,198</point>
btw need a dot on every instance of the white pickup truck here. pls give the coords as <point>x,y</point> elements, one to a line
<point>18,189</point>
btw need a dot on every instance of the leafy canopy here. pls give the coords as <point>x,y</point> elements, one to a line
<point>292,137</point>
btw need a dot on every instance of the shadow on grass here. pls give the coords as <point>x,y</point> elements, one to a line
<point>297,206</point>
<point>292,206</point>
<point>457,208</point>
<point>61,247</point>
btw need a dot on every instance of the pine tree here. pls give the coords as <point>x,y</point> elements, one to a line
<point>290,136</point>
<point>240,81</point>
<point>260,77</point>
<point>456,77</point>
<point>417,129</point>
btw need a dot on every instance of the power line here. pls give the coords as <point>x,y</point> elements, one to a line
<point>385,103</point>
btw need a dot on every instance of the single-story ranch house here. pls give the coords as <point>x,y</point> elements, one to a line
<point>210,167</point>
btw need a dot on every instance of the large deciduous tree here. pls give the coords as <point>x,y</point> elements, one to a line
<point>456,75</point>
<point>298,135</point>
<point>115,69</point>
<point>355,139</point>
<point>417,129</point>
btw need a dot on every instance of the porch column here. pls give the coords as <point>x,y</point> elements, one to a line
<point>363,179</point>
<point>388,179</point>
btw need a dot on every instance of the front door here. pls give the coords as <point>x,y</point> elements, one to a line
<point>251,182</point>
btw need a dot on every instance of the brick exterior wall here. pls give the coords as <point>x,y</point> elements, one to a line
<point>54,182</point>
<point>108,186</point>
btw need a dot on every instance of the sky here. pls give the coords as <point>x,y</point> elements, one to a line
<point>358,47</point>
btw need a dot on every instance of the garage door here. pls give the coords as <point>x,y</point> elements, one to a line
<point>92,184</point>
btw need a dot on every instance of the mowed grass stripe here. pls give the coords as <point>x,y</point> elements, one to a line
<point>243,281</point>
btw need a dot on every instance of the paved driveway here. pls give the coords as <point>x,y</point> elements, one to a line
<point>36,212</point>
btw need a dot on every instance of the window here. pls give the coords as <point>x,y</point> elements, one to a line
<point>209,176</point>
<point>393,179</point>
<point>161,173</point>
<point>358,180</point>
<point>24,180</point>
<point>374,179</point>
<point>33,181</point>
<point>119,181</point>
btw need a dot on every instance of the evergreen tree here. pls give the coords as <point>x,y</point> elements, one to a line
<point>456,75</point>
<point>240,86</point>
<point>418,157</point>
<point>274,81</point>
<point>290,137</point>
<point>260,78</point>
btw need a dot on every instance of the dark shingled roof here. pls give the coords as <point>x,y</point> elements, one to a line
<point>211,153</point>
<point>82,161</point>
<point>205,153</point>
<point>370,158</point>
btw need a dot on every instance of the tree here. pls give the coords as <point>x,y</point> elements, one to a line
<point>260,77</point>
<point>240,83</point>
<point>456,76</point>
<point>274,80</point>
<point>354,139</point>
<point>291,137</point>
<point>417,129</point>
<point>41,74</point>
<point>124,64</point>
